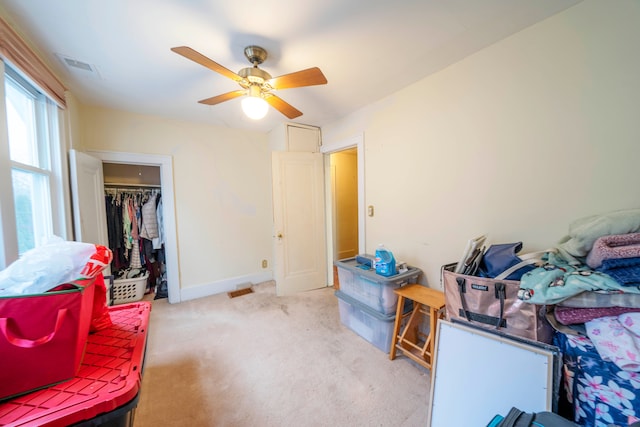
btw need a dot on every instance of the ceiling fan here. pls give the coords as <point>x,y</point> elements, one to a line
<point>256,83</point>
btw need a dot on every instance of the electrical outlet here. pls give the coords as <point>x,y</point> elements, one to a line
<point>264,263</point>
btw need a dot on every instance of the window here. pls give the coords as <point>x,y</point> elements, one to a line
<point>33,147</point>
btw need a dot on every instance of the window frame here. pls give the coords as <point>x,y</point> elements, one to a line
<point>49,119</point>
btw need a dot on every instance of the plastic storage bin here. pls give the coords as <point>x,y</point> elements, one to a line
<point>370,288</point>
<point>373,326</point>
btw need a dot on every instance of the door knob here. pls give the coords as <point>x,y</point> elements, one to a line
<point>279,236</point>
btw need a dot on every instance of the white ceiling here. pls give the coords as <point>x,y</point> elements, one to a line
<point>367,49</point>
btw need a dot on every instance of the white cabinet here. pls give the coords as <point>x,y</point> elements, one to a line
<point>295,137</point>
<point>301,138</point>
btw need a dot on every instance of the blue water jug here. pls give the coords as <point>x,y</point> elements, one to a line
<point>385,262</point>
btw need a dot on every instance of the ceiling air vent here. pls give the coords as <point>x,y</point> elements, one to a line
<point>76,66</point>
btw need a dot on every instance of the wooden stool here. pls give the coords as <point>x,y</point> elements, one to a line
<point>411,341</point>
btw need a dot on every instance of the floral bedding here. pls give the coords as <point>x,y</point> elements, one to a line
<point>600,393</point>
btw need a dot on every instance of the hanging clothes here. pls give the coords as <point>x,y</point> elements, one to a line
<point>133,207</point>
<point>126,223</point>
<point>135,255</point>
<point>134,225</point>
<point>149,219</point>
<point>111,220</point>
<point>135,235</point>
<point>158,242</point>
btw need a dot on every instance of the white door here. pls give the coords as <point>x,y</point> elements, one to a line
<point>87,192</point>
<point>299,222</point>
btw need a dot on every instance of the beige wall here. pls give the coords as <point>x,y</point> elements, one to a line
<point>222,185</point>
<point>515,141</point>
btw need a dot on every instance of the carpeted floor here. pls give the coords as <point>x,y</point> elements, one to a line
<point>263,360</point>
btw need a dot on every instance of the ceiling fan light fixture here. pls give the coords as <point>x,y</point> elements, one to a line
<point>256,83</point>
<point>255,107</point>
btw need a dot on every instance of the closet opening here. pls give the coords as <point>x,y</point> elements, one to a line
<point>135,229</point>
<point>146,172</point>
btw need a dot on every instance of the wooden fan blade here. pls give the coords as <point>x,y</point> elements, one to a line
<point>191,54</point>
<point>309,77</point>
<point>282,106</point>
<point>224,97</point>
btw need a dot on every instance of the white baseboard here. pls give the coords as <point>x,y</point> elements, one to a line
<point>222,286</point>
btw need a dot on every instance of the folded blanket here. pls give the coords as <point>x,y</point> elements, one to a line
<point>625,271</point>
<point>610,298</point>
<point>617,339</point>
<point>614,246</point>
<point>573,316</point>
<point>558,280</point>
<point>584,232</point>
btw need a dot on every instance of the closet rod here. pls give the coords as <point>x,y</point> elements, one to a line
<point>121,185</point>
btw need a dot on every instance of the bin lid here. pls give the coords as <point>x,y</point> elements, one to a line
<point>362,306</point>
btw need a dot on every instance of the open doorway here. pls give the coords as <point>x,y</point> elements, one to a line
<point>344,202</point>
<point>344,173</point>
